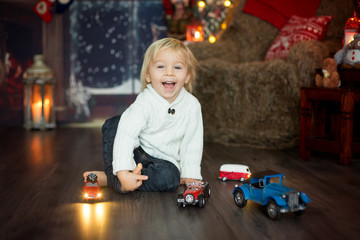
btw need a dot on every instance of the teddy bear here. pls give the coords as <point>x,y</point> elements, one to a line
<point>329,78</point>
<point>349,56</point>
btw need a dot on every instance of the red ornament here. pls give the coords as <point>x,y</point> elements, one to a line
<point>353,22</point>
<point>42,8</point>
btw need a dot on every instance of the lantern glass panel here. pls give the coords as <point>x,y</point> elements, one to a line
<point>349,36</point>
<point>41,103</point>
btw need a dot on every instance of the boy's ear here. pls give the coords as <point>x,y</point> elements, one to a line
<point>187,78</point>
<point>147,78</point>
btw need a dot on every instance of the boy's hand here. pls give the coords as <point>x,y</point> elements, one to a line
<point>131,180</point>
<point>185,181</point>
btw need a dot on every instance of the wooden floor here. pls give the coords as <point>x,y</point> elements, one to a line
<point>41,189</point>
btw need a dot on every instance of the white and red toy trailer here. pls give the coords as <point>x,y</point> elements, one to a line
<point>234,172</point>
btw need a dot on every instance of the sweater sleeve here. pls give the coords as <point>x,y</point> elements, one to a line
<point>132,122</point>
<point>191,148</point>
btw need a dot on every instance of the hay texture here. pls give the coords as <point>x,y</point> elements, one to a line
<point>247,101</point>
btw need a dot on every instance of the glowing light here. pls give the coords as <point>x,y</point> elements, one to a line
<point>212,39</point>
<point>349,36</point>
<point>194,33</point>
<point>197,34</point>
<point>86,211</point>
<point>223,26</point>
<point>99,210</point>
<point>227,3</point>
<point>37,111</point>
<point>201,4</point>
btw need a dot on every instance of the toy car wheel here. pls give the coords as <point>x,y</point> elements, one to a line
<point>180,196</point>
<point>242,179</point>
<point>273,210</point>
<point>189,199</point>
<point>239,198</point>
<point>207,193</point>
<point>224,179</point>
<point>201,201</point>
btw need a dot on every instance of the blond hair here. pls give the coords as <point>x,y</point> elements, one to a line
<point>175,45</point>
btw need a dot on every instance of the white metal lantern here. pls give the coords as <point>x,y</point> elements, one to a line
<point>39,96</point>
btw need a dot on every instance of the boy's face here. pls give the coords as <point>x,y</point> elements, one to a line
<point>168,73</point>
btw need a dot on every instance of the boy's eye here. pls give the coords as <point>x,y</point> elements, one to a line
<point>160,66</point>
<point>178,67</point>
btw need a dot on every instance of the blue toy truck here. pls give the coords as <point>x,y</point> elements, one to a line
<point>267,189</point>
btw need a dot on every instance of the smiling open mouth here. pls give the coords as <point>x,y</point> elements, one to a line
<point>168,84</point>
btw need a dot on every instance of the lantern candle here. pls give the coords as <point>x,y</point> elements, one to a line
<point>36,109</point>
<point>36,112</point>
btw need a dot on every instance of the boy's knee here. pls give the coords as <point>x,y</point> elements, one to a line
<point>167,178</point>
<point>109,131</point>
<point>110,126</point>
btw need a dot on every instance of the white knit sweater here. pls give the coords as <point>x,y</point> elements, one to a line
<point>177,137</point>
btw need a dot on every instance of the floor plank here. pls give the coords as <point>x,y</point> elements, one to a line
<point>41,184</point>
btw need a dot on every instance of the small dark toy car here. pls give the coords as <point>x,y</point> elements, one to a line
<point>92,189</point>
<point>194,194</point>
<point>266,188</point>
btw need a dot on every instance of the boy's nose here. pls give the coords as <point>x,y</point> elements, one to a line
<point>169,72</point>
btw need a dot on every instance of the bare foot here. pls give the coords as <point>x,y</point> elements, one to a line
<point>102,179</point>
<point>185,181</point>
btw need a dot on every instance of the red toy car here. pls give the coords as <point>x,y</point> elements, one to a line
<point>234,172</point>
<point>194,194</point>
<point>92,189</point>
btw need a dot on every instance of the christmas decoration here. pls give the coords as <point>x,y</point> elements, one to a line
<point>178,14</point>
<point>45,8</point>
<point>194,33</point>
<point>78,96</point>
<point>42,8</point>
<point>351,28</point>
<point>212,15</point>
<point>13,90</point>
<point>91,177</point>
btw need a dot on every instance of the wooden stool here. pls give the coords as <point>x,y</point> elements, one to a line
<point>313,120</point>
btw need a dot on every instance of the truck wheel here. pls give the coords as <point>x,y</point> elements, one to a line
<point>201,201</point>
<point>273,210</point>
<point>224,179</point>
<point>239,198</point>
